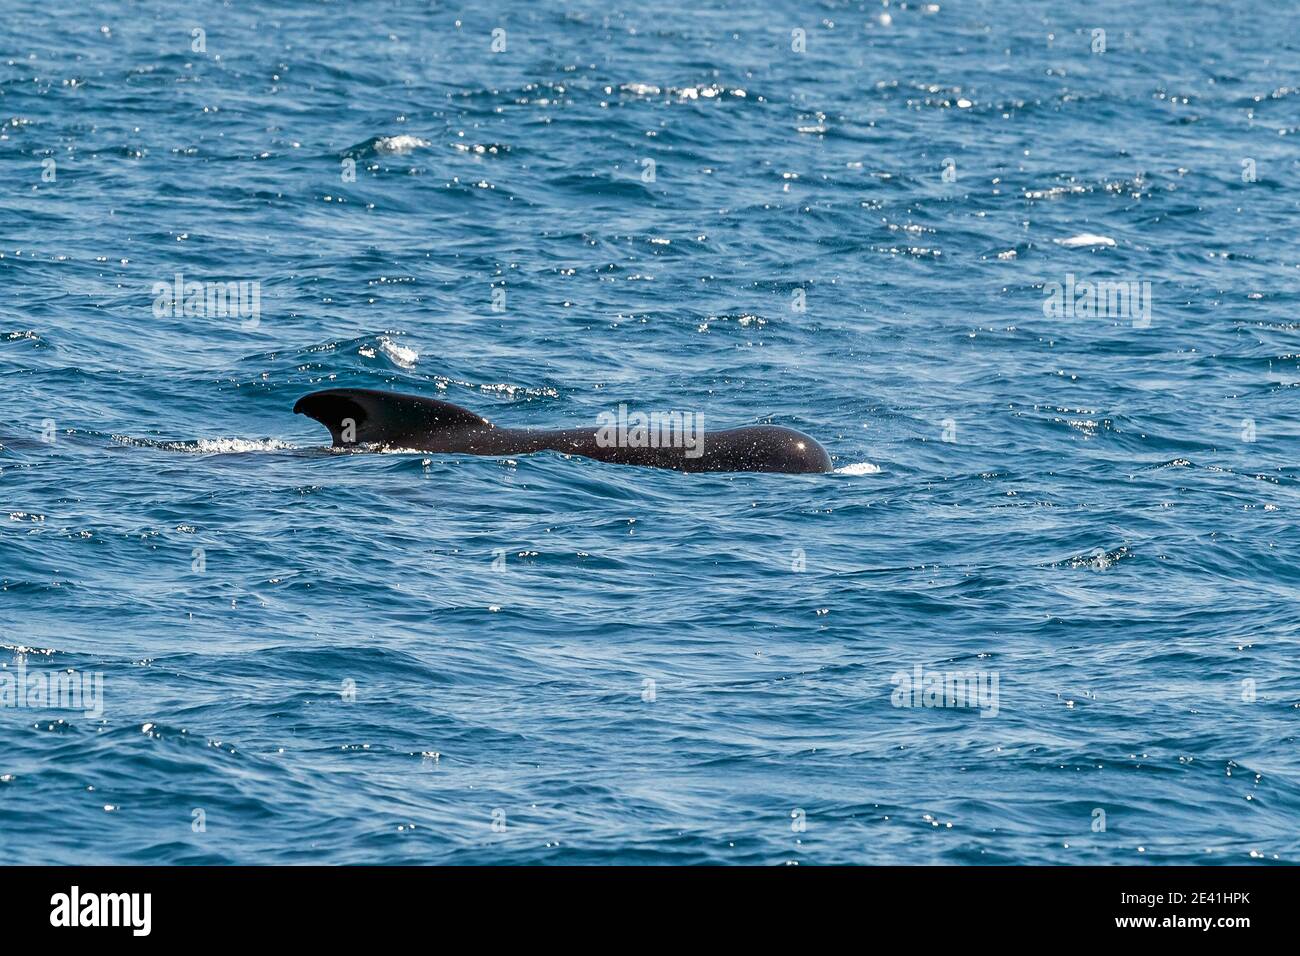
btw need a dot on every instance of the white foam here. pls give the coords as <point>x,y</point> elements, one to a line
<point>403,356</point>
<point>227,446</point>
<point>859,468</point>
<point>402,143</point>
<point>397,354</point>
<point>1085,239</point>
<point>209,446</point>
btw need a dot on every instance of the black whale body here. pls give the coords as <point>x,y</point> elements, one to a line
<point>357,416</point>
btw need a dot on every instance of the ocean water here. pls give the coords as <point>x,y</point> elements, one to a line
<point>298,656</point>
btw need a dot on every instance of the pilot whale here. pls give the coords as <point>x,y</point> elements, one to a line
<point>359,416</point>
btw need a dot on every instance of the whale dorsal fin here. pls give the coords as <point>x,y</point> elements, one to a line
<point>382,418</point>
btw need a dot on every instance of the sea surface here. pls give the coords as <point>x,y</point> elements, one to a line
<point>1087,518</point>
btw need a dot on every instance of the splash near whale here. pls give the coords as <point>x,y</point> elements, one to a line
<point>363,416</point>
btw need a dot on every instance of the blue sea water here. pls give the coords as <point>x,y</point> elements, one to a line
<point>310,657</point>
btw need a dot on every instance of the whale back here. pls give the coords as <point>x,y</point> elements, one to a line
<point>359,416</point>
<point>367,416</point>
